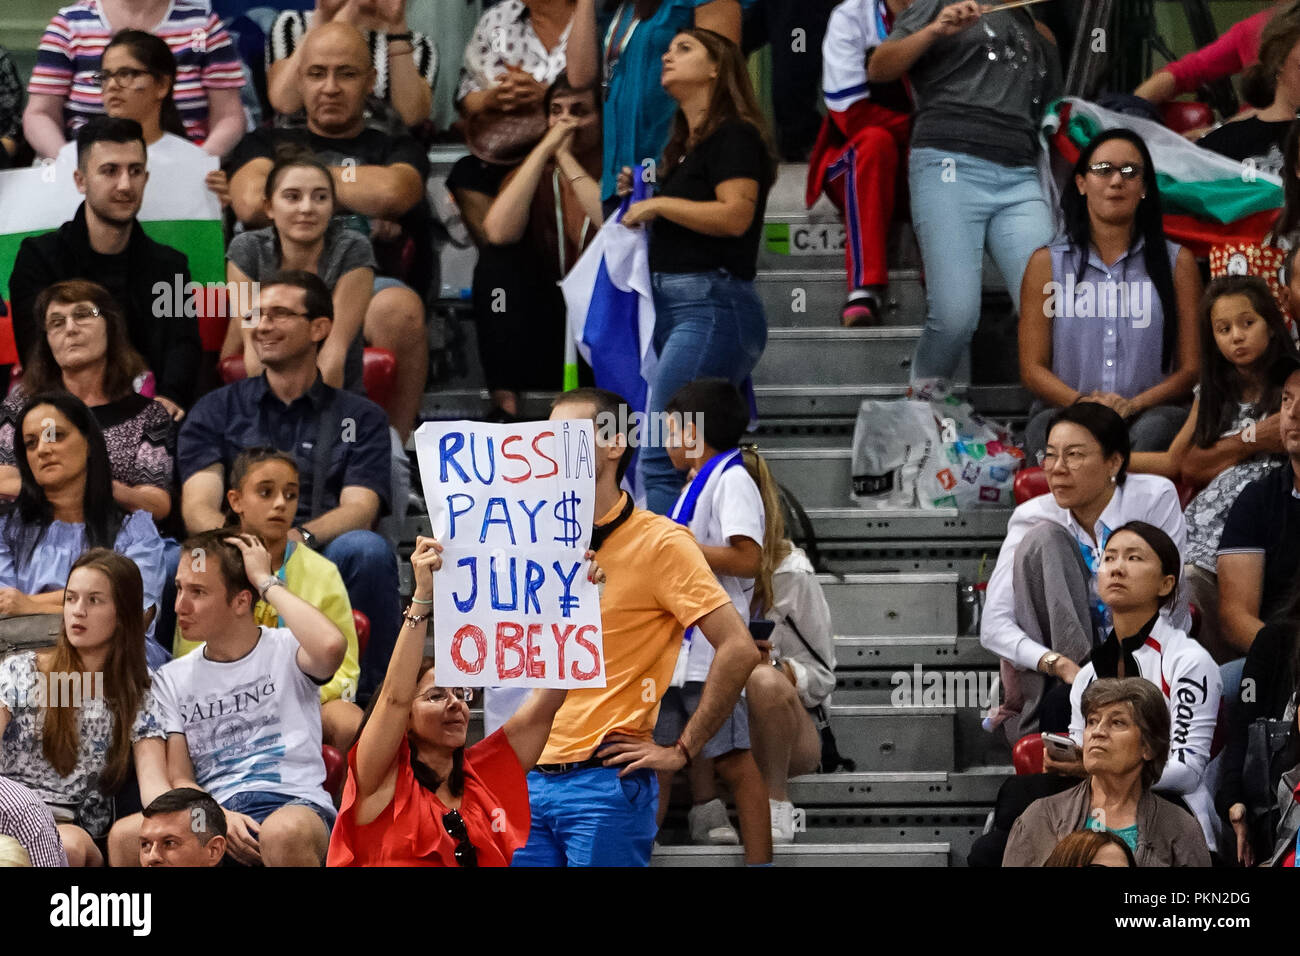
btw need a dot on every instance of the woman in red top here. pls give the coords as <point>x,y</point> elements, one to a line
<point>415,795</point>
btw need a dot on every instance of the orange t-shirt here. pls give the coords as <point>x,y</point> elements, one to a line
<point>657,585</point>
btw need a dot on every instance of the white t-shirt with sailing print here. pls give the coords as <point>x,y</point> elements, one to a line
<point>251,724</point>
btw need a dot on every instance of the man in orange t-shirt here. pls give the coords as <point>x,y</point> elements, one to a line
<point>599,810</point>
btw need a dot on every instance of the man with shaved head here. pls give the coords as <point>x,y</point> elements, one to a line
<point>379,184</point>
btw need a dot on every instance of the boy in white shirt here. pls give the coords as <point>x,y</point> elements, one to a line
<point>243,710</point>
<point>722,508</point>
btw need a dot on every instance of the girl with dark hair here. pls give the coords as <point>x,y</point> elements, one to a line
<point>64,506</point>
<point>415,795</point>
<point>1233,434</point>
<point>1108,312</point>
<point>717,168</point>
<point>304,234</point>
<point>1259,136</point>
<point>84,349</point>
<point>75,748</point>
<point>1042,614</point>
<point>1137,578</point>
<point>137,80</point>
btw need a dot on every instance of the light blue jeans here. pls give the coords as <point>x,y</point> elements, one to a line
<point>960,206</point>
<point>707,325</point>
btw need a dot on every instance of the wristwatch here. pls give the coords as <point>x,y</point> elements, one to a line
<point>1049,662</point>
<point>308,538</point>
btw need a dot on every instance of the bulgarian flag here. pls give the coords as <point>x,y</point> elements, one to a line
<point>178,210</point>
<point>1208,199</point>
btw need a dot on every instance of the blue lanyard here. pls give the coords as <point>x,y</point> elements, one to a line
<point>684,510</point>
<point>1100,613</point>
<point>288,550</point>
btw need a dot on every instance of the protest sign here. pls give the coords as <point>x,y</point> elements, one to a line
<point>513,506</point>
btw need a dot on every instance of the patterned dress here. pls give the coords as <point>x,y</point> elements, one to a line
<point>21,760</point>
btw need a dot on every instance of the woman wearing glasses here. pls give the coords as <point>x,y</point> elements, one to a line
<point>85,350</point>
<point>1042,614</point>
<point>1108,313</point>
<point>415,794</point>
<point>137,80</point>
<point>63,95</point>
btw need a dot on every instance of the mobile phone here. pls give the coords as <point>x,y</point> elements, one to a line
<point>761,630</point>
<point>1061,747</point>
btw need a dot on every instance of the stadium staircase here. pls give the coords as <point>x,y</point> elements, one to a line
<point>926,776</point>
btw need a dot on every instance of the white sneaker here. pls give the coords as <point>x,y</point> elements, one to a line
<point>782,820</point>
<point>710,825</point>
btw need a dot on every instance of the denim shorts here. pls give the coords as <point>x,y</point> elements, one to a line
<point>260,804</point>
<point>680,703</point>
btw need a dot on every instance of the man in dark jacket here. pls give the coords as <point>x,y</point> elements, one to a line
<point>104,243</point>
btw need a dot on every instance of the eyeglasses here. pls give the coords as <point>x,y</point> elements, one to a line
<point>79,317</point>
<point>126,76</point>
<point>454,824</point>
<point>274,314</point>
<point>1073,459</point>
<point>1128,171</point>
<point>444,695</point>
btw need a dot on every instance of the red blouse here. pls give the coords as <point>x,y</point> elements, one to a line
<point>409,831</point>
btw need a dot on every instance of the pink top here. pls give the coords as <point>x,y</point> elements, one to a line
<point>1237,49</point>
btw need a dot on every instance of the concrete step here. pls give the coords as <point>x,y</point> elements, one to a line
<point>804,298</point>
<point>807,854</point>
<point>874,653</point>
<point>836,358</point>
<point>892,604</point>
<point>885,738</point>
<point>872,524</point>
<point>978,785</point>
<point>817,477</point>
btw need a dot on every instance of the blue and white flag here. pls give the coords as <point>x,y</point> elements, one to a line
<point>611,313</point>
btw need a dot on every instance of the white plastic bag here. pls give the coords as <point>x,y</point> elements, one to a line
<point>892,440</point>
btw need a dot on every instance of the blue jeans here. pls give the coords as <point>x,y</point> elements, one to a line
<point>368,565</point>
<point>707,325</point>
<point>960,206</point>
<point>591,818</point>
<point>260,804</point>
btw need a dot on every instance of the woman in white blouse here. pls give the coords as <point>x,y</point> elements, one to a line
<point>1042,615</point>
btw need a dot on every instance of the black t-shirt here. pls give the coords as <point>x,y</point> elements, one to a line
<point>1250,139</point>
<point>1266,519</point>
<point>735,150</point>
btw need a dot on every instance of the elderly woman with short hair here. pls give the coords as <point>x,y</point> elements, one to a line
<point>1125,744</point>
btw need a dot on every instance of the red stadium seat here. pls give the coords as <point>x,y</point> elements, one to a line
<point>336,770</point>
<point>1029,484</point>
<point>1027,755</point>
<point>1184,115</point>
<point>1196,620</point>
<point>362,624</point>
<point>379,373</point>
<point>1186,493</point>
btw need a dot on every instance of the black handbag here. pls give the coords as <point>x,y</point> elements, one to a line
<point>831,758</point>
<point>1271,747</point>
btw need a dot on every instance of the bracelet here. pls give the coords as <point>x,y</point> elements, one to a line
<point>579,177</point>
<point>268,585</point>
<point>685,753</point>
<point>408,36</point>
<point>416,600</point>
<point>413,619</point>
